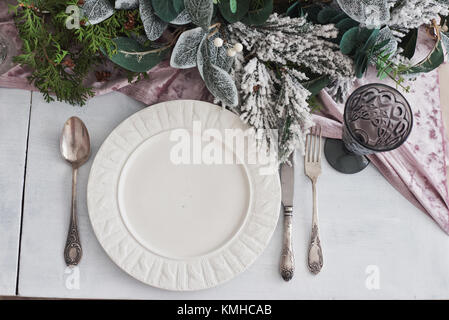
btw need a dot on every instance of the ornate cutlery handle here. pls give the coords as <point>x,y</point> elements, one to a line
<point>73,251</point>
<point>315,259</point>
<point>287,265</point>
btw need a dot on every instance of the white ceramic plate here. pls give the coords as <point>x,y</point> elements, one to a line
<point>180,226</point>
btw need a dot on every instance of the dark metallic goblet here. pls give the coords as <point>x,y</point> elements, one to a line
<point>377,118</point>
<point>7,51</point>
<point>3,49</point>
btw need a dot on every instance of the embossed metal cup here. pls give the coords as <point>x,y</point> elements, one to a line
<point>3,50</point>
<point>377,118</point>
<point>8,50</point>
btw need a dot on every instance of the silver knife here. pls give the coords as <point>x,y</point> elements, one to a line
<point>287,265</point>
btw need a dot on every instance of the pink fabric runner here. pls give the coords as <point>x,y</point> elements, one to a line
<point>417,169</point>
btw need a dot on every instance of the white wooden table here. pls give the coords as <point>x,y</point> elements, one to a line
<point>376,244</point>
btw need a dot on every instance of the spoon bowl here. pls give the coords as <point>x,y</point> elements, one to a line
<point>75,142</point>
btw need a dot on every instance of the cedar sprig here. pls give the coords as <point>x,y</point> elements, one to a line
<point>60,58</point>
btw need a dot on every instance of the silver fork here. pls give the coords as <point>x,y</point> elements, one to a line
<point>312,168</point>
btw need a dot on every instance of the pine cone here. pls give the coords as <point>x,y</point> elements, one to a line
<point>102,76</point>
<point>129,25</point>
<point>68,62</point>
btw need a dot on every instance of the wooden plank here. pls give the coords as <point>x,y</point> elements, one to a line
<point>369,231</point>
<point>14,115</point>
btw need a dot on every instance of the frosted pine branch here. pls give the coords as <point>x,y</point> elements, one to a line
<point>294,114</point>
<point>269,102</point>
<point>410,14</point>
<point>257,95</point>
<point>400,14</point>
<point>286,40</point>
<point>339,89</point>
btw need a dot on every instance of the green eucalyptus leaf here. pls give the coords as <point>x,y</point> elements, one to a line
<point>233,6</point>
<point>134,57</point>
<point>294,10</point>
<point>97,11</point>
<point>408,43</point>
<point>385,43</point>
<point>311,12</point>
<point>207,52</point>
<point>153,25</point>
<point>214,65</point>
<point>184,53</point>
<point>338,18</point>
<point>231,17</point>
<point>346,24</point>
<point>298,9</point>
<point>365,53</point>
<point>200,12</point>
<point>364,35</point>
<point>433,60</point>
<point>221,84</point>
<point>178,5</point>
<point>343,26</point>
<point>326,14</point>
<point>349,40</point>
<point>361,64</point>
<point>223,60</point>
<point>164,9</point>
<point>371,41</point>
<point>182,18</point>
<point>126,4</point>
<point>317,84</point>
<point>259,11</point>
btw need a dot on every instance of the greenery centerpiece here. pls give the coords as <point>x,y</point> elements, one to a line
<point>263,59</point>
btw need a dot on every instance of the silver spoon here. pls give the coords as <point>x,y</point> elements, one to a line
<point>75,148</point>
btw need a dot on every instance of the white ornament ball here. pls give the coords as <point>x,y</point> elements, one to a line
<point>238,47</point>
<point>218,42</point>
<point>231,52</point>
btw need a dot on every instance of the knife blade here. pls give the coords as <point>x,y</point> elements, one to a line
<point>287,183</point>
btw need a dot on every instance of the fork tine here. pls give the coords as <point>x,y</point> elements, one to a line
<point>313,144</point>
<point>319,144</point>
<point>315,149</point>
<point>307,157</point>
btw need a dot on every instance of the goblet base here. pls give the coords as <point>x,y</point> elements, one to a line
<point>341,159</point>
